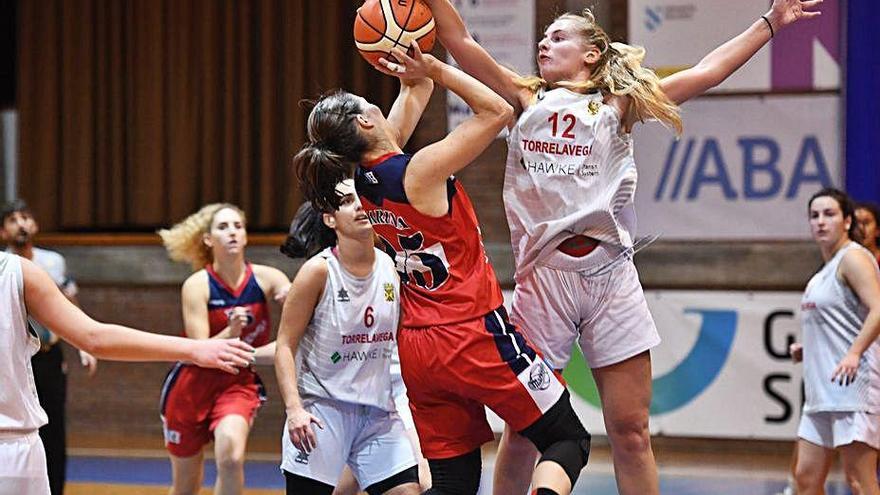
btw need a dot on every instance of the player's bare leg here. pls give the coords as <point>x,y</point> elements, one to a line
<point>230,441</point>
<point>625,390</point>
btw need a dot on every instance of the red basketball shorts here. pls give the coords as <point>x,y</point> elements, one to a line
<point>195,399</point>
<point>452,371</point>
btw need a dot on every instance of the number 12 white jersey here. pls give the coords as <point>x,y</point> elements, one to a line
<point>570,171</point>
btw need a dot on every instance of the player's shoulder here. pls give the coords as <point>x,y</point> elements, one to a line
<point>383,180</point>
<point>858,257</point>
<point>197,279</point>
<point>316,267</point>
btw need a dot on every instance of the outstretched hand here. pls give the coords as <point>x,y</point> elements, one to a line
<point>785,12</point>
<point>226,354</point>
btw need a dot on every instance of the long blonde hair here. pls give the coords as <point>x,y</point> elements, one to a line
<point>619,72</point>
<point>184,241</point>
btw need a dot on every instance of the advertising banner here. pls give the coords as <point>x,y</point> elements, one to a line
<point>722,370</point>
<point>744,168</point>
<point>679,33</point>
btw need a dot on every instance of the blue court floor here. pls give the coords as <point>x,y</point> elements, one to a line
<point>124,476</point>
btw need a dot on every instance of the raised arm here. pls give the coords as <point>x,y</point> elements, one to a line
<point>859,271</point>
<point>727,58</point>
<point>107,341</point>
<point>305,292</point>
<point>426,174</point>
<point>409,106</point>
<point>470,56</point>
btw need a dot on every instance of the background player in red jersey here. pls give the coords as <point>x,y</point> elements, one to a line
<point>458,352</point>
<point>225,297</point>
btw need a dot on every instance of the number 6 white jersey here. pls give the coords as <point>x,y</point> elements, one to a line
<point>347,348</point>
<point>570,171</point>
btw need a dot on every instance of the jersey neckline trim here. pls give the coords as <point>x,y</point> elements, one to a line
<point>235,292</point>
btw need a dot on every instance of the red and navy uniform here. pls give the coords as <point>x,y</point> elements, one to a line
<point>223,298</point>
<point>454,329</point>
<point>446,275</point>
<point>195,399</point>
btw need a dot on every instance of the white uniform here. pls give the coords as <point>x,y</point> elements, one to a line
<point>22,458</point>
<point>570,171</point>
<point>833,316</point>
<point>343,367</point>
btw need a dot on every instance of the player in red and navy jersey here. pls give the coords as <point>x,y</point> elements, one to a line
<point>458,351</point>
<point>226,297</point>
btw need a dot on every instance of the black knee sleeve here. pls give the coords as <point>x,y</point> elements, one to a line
<point>561,438</point>
<point>572,455</point>
<point>457,475</point>
<point>409,475</point>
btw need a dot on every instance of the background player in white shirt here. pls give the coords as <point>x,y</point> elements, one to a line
<point>333,358</point>
<point>568,192</point>
<point>19,228</point>
<point>840,313</point>
<point>26,290</point>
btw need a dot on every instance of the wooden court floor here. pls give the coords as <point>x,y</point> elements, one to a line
<point>686,468</point>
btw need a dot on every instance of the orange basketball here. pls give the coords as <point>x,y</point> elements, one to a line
<point>381,25</point>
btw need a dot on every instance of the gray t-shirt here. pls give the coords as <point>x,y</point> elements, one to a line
<point>832,317</point>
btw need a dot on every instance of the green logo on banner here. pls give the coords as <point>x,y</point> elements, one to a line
<point>684,383</point>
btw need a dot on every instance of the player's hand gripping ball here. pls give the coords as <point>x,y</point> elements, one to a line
<point>381,25</point>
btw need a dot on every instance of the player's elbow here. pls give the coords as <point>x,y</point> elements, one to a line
<point>709,75</point>
<point>94,339</point>
<point>501,113</point>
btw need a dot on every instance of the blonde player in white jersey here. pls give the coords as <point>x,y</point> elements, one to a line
<point>28,291</point>
<point>333,358</point>
<point>840,313</point>
<point>568,192</point>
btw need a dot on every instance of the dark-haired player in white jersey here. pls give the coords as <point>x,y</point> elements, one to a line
<point>568,192</point>
<point>333,359</point>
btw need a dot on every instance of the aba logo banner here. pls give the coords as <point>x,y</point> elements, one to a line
<point>686,381</point>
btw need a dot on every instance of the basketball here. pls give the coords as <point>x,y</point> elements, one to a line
<point>381,25</point>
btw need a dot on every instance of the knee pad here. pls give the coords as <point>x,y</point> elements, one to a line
<point>561,438</point>
<point>409,475</point>
<point>572,455</point>
<point>557,424</point>
<point>457,475</point>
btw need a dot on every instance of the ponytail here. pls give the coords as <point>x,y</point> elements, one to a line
<point>334,148</point>
<point>308,234</point>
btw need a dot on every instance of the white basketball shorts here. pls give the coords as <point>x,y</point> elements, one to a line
<point>596,299</point>
<point>371,441</point>
<point>23,465</point>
